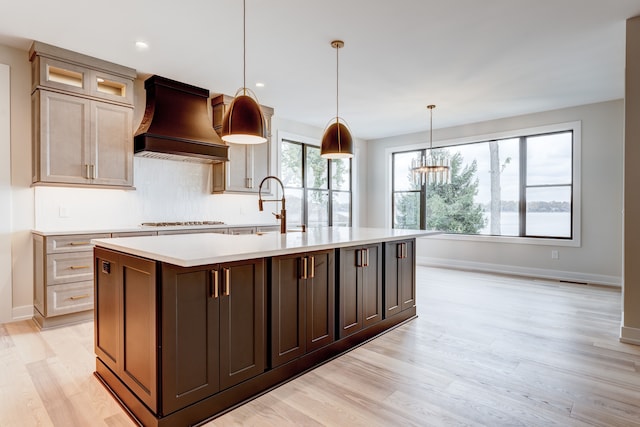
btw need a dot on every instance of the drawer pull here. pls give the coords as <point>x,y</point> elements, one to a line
<point>79,243</point>
<point>227,281</point>
<point>77,297</point>
<point>304,268</point>
<point>214,279</point>
<point>79,267</point>
<point>312,267</point>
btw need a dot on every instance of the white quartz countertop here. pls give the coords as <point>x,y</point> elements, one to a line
<point>189,250</point>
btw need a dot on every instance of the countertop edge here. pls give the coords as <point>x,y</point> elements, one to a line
<point>249,248</point>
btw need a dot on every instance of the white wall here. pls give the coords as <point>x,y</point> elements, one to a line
<point>21,204</point>
<point>597,260</point>
<point>630,330</point>
<point>5,196</point>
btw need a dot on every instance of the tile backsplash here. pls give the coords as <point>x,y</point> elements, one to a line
<point>166,190</point>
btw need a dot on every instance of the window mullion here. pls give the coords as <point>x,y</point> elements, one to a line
<point>522,206</point>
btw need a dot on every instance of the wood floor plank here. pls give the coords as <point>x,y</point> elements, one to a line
<point>485,350</point>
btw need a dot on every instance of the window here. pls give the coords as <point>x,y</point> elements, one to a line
<point>318,191</point>
<point>518,186</point>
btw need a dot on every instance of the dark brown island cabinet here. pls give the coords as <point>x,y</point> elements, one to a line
<point>360,297</point>
<point>302,304</point>
<point>178,346</point>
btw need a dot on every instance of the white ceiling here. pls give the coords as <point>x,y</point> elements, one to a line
<point>476,60</point>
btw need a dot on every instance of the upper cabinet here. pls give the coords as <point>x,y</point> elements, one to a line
<point>248,164</point>
<point>82,119</point>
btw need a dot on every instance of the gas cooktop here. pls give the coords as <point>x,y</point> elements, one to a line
<point>180,223</point>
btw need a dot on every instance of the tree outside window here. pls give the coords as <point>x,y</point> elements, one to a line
<point>318,190</point>
<point>510,187</point>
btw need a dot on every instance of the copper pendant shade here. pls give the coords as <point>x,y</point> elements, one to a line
<point>336,141</point>
<point>243,121</point>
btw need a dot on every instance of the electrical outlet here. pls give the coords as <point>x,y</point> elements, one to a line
<point>63,212</point>
<point>555,254</point>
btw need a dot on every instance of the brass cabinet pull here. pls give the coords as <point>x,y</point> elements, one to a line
<point>313,268</point>
<point>304,268</point>
<point>86,171</point>
<point>227,281</point>
<point>79,243</point>
<point>93,171</point>
<point>399,250</point>
<point>366,258</point>
<point>359,257</point>
<point>214,283</point>
<point>77,297</point>
<point>404,245</point>
<point>79,267</point>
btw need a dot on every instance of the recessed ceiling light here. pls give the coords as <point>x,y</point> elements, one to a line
<point>259,84</point>
<point>140,45</point>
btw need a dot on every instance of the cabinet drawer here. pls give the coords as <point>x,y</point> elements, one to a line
<point>69,267</point>
<point>73,243</point>
<point>69,298</point>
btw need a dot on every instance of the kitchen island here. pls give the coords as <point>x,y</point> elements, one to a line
<point>190,326</point>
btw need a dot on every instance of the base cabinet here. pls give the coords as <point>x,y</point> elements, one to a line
<point>174,335</point>
<point>399,276</point>
<point>125,321</point>
<point>360,293</point>
<point>302,304</point>
<point>179,346</point>
<point>213,329</point>
<point>63,278</point>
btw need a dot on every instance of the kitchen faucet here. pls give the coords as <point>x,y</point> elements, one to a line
<point>283,212</point>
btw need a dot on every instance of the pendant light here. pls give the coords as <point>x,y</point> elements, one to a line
<point>243,121</point>
<point>336,141</point>
<point>434,169</point>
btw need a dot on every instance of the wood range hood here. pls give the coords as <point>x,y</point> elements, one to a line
<point>176,124</point>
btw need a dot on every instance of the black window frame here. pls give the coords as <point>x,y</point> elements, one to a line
<point>523,186</point>
<point>305,189</point>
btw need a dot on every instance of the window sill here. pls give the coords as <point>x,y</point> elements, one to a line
<point>575,242</point>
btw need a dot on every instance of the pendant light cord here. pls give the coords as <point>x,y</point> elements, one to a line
<point>337,81</point>
<point>244,47</point>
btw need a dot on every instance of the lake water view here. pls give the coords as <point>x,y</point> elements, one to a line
<point>552,224</point>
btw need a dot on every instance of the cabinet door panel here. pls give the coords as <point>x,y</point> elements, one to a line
<point>107,308</point>
<point>320,301</point>
<point>392,287</point>
<point>64,137</point>
<point>372,286</point>
<point>287,310</point>
<point>242,325</point>
<point>139,326</point>
<point>407,276</point>
<point>190,336</point>
<point>350,305</point>
<point>113,144</point>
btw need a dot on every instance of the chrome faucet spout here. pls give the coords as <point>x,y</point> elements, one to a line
<point>282,216</point>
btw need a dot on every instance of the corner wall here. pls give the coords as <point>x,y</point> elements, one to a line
<point>597,260</point>
<point>21,207</point>
<point>630,331</point>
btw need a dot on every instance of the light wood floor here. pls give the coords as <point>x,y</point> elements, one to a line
<point>486,350</point>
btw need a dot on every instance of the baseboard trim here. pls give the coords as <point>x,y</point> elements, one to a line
<point>629,335</point>
<point>571,276</point>
<point>21,313</point>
